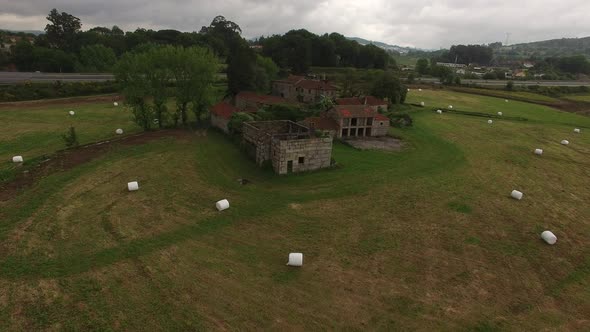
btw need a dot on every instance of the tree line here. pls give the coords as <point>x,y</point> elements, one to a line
<point>300,49</point>
<point>64,47</point>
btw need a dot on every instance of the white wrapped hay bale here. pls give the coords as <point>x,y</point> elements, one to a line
<point>439,111</point>
<point>490,121</point>
<point>422,104</point>
<point>577,130</point>
<point>516,194</point>
<point>72,112</point>
<point>419,89</point>
<point>17,159</point>
<point>115,104</point>
<point>450,106</point>
<point>500,113</point>
<point>222,205</point>
<point>119,131</point>
<point>408,90</point>
<point>565,142</point>
<point>506,100</point>
<point>538,152</point>
<point>549,237</point>
<point>133,186</point>
<point>295,259</point>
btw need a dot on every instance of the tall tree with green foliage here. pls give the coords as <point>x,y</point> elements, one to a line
<point>422,66</point>
<point>241,69</point>
<point>265,71</point>
<point>193,71</point>
<point>146,75</point>
<point>131,72</point>
<point>388,85</point>
<point>61,33</point>
<point>96,58</point>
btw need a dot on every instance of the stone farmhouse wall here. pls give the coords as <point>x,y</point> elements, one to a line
<point>303,154</point>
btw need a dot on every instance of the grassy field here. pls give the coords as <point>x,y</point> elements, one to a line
<point>34,131</point>
<point>424,239</point>
<point>521,95</point>
<point>584,98</point>
<point>405,60</point>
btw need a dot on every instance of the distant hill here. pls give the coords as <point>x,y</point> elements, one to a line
<point>34,32</point>
<point>382,45</point>
<point>548,48</point>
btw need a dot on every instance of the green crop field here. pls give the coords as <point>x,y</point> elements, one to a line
<point>423,239</point>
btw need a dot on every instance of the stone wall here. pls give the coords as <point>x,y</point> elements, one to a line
<point>380,128</point>
<point>314,153</point>
<point>284,90</point>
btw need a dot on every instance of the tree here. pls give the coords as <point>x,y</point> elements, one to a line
<point>131,73</point>
<point>61,33</point>
<point>241,69</point>
<point>265,72</point>
<point>388,85</point>
<point>96,58</point>
<point>23,55</point>
<point>52,60</point>
<point>422,66</point>
<point>510,85</point>
<point>193,71</point>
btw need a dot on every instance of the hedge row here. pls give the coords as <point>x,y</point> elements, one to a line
<point>33,91</point>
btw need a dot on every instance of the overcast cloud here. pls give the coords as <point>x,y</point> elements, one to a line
<point>425,24</point>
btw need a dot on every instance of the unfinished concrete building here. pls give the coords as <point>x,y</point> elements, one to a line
<point>288,146</point>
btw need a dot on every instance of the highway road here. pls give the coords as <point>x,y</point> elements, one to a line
<point>16,77</point>
<point>503,82</point>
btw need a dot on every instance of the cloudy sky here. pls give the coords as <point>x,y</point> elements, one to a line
<point>418,23</point>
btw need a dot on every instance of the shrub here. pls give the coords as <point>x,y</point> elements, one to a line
<point>70,138</point>
<point>57,89</point>
<point>400,120</point>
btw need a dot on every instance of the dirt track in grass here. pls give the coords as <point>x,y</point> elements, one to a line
<point>28,104</point>
<point>67,159</point>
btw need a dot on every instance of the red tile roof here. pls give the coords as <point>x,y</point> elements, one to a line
<point>374,101</point>
<point>381,117</point>
<point>321,123</point>
<point>223,109</point>
<point>348,101</point>
<point>355,111</point>
<point>261,99</point>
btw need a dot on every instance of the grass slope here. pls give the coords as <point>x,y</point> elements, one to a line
<point>424,239</point>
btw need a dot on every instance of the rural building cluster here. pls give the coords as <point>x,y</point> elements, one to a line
<point>297,147</point>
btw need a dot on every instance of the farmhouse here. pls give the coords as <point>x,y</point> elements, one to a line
<point>322,123</point>
<point>370,101</point>
<point>252,101</point>
<point>299,88</point>
<point>288,146</point>
<point>358,121</point>
<point>221,114</point>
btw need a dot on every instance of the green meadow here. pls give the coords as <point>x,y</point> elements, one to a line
<point>427,238</point>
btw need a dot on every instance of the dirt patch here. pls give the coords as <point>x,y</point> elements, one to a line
<point>67,159</point>
<point>385,143</point>
<point>61,101</point>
